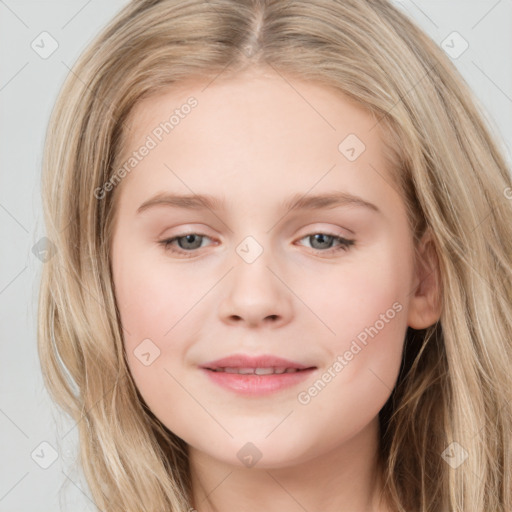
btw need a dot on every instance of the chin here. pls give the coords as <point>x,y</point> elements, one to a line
<point>261,453</point>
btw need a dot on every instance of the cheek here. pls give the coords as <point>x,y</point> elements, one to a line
<point>153,314</point>
<point>366,308</point>
<point>152,298</point>
<point>362,299</point>
<point>152,306</point>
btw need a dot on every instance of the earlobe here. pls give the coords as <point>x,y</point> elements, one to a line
<point>425,305</point>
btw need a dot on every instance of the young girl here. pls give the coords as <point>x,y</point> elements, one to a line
<point>213,354</point>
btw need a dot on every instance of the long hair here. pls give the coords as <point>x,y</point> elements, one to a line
<point>446,429</point>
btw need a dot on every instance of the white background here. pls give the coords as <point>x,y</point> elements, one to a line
<point>28,89</point>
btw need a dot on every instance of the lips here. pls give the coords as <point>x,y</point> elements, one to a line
<point>250,364</point>
<point>257,371</point>
<point>260,375</point>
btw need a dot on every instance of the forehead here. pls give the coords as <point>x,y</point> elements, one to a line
<point>258,102</point>
<point>253,132</point>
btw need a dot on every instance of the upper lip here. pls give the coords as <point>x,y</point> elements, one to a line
<point>244,361</point>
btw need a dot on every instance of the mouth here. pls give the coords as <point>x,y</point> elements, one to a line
<point>256,375</point>
<point>258,371</point>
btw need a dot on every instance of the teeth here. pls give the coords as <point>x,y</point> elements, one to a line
<point>264,371</point>
<point>257,371</point>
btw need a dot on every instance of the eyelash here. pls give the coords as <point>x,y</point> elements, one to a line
<point>345,244</point>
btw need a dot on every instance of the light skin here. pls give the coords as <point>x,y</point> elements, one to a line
<point>254,141</point>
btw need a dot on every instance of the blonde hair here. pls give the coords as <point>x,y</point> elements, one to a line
<point>455,382</point>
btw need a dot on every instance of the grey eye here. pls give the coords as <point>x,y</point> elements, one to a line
<point>192,241</point>
<point>321,241</point>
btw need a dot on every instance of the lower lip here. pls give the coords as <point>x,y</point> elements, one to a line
<point>257,384</point>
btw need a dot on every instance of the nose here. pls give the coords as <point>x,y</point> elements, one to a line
<point>256,295</point>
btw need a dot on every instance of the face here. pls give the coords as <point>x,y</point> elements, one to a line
<point>268,271</point>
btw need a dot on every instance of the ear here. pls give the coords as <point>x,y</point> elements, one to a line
<point>425,305</point>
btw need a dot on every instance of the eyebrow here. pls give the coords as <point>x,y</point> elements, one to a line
<point>295,202</point>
